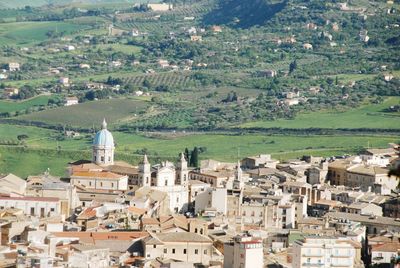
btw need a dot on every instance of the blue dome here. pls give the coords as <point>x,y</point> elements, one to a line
<point>104,138</point>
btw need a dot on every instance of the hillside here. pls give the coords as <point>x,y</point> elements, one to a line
<point>244,14</point>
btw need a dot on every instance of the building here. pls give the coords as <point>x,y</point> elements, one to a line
<point>103,146</point>
<point>64,81</point>
<point>10,92</point>
<point>212,199</point>
<point>87,256</point>
<point>34,206</point>
<point>243,252</point>
<point>307,46</point>
<point>48,186</point>
<point>262,160</point>
<point>364,208</point>
<point>182,246</point>
<point>216,29</point>
<point>167,178</point>
<point>322,251</point>
<point>71,101</point>
<point>14,66</point>
<point>385,253</point>
<point>374,224</point>
<point>160,7</point>
<point>354,172</point>
<point>100,180</point>
<point>11,185</point>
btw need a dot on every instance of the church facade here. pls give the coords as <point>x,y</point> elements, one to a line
<point>120,176</point>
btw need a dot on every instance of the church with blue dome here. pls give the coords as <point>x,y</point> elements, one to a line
<point>103,147</point>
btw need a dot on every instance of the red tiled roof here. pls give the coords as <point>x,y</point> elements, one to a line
<point>103,235</point>
<point>88,213</point>
<point>387,247</point>
<point>97,174</point>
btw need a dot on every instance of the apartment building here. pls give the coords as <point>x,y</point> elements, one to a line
<point>325,252</point>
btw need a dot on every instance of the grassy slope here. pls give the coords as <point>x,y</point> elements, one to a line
<point>28,32</point>
<point>12,106</point>
<point>367,116</point>
<point>221,147</point>
<point>85,114</point>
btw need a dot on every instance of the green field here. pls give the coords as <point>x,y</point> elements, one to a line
<point>41,147</point>
<point>127,49</point>
<point>13,106</point>
<point>366,116</point>
<point>29,32</point>
<point>89,113</point>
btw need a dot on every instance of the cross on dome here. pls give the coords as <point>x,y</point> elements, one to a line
<point>104,124</point>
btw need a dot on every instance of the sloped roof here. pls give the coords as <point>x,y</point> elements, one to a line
<point>97,174</point>
<point>387,247</point>
<point>180,237</point>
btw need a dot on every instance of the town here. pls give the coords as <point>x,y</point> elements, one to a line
<point>200,133</point>
<point>339,211</point>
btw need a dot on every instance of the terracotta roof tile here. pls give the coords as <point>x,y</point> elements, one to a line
<point>97,174</point>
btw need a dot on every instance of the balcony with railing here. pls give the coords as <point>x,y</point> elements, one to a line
<point>312,254</point>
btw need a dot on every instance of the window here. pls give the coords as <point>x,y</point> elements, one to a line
<point>184,251</point>
<point>173,251</point>
<point>112,185</point>
<point>196,251</point>
<point>195,230</point>
<point>52,209</point>
<point>205,252</point>
<point>90,183</point>
<point>165,251</point>
<point>154,246</point>
<point>102,159</point>
<point>101,184</point>
<point>166,183</point>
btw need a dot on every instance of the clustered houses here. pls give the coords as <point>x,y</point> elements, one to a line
<point>330,212</point>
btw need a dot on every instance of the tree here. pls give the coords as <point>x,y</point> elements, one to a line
<point>194,158</point>
<point>187,155</point>
<point>292,66</point>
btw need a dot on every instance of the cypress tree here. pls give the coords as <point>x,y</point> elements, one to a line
<point>194,158</point>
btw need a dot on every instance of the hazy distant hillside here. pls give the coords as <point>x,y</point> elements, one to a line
<point>244,13</point>
<point>36,3</point>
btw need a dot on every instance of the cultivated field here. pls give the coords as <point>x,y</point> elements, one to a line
<point>89,113</point>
